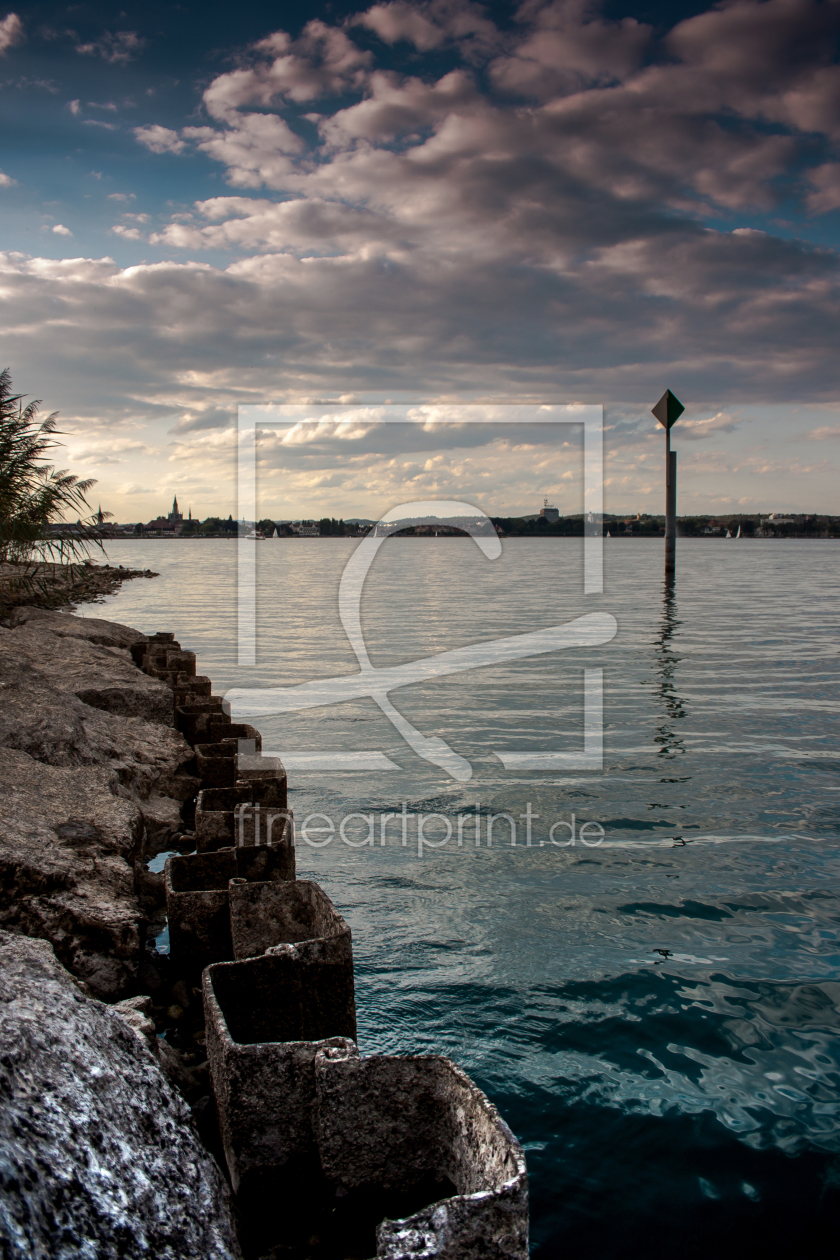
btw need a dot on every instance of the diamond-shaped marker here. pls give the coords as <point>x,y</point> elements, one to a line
<point>668,410</point>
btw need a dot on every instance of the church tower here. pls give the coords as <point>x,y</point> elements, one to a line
<point>175,517</point>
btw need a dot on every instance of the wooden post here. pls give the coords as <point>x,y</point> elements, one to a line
<point>670,507</point>
<point>667,411</point>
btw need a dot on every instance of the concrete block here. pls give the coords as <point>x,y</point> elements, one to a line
<point>193,719</point>
<point>187,688</point>
<point>390,1123</point>
<point>219,762</point>
<point>266,1019</point>
<point>245,814</point>
<point>197,903</point>
<point>265,915</point>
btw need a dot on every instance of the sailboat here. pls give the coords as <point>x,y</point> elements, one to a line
<point>738,535</point>
<point>728,535</point>
<point>275,534</point>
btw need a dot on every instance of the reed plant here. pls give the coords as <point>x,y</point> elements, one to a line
<point>35,496</point>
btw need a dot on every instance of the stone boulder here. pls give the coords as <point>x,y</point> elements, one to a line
<point>99,1156</point>
<point>93,775</point>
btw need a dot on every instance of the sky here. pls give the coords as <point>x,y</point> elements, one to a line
<point>208,205</point>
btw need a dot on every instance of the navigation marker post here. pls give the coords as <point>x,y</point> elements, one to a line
<point>668,411</point>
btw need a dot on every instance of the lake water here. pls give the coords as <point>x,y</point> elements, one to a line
<point>657,1015</point>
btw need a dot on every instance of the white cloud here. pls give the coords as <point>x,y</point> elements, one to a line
<point>6,181</point>
<point>825,433</point>
<point>61,230</point>
<point>253,148</point>
<point>696,430</point>
<point>127,233</point>
<point>74,107</point>
<point>430,25</point>
<point>159,139</point>
<point>11,32</point>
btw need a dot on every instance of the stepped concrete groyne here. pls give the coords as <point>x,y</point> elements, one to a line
<point>117,750</point>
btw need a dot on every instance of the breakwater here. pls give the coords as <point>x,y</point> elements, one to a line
<point>116,749</point>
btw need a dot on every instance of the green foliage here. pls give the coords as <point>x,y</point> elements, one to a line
<point>539,527</point>
<point>33,492</point>
<point>213,527</point>
<point>329,525</point>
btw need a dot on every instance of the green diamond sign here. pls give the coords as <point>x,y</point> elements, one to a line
<point>668,410</point>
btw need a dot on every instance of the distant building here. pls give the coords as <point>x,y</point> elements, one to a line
<point>550,514</point>
<point>162,526</point>
<point>168,526</point>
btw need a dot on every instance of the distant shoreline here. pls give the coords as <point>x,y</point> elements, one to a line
<point>641,537</point>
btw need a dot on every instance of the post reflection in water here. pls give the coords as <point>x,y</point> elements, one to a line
<point>667,734</point>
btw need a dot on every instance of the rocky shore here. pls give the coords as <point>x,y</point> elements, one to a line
<point>61,585</point>
<point>211,1101</point>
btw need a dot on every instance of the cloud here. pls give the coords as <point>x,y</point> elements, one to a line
<point>11,32</point>
<point>824,434</point>
<point>6,181</point>
<point>61,230</point>
<point>121,196</point>
<point>106,450</point>
<point>429,25</point>
<point>696,430</point>
<point>74,107</point>
<point>825,180</point>
<point>253,148</point>
<point>535,209</point>
<point>323,61</point>
<point>568,48</point>
<point>130,488</point>
<point>159,139</point>
<point>618,127</point>
<point>117,48</point>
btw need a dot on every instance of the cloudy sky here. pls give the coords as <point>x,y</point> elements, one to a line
<point>207,205</point>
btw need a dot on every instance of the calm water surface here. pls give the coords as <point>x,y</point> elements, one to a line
<point>685,1099</point>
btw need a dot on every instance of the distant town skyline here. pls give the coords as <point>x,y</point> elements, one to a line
<point>174,518</point>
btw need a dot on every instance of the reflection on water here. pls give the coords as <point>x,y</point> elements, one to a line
<point>657,1017</point>
<point>667,660</point>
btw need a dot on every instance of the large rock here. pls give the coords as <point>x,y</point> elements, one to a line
<point>66,872</point>
<point>92,776</point>
<point>99,1157</point>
